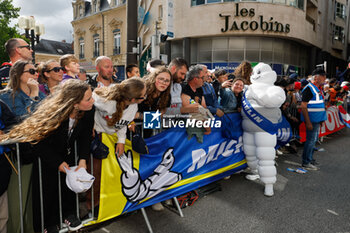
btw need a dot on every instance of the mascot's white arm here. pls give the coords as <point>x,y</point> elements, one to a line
<point>269,96</point>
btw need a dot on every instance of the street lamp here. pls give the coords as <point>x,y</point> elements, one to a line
<point>36,30</point>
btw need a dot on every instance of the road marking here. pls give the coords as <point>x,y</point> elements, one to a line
<point>332,212</point>
<point>291,162</point>
<point>105,230</point>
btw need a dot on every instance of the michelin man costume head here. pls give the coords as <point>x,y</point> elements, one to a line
<point>262,73</point>
<point>264,100</point>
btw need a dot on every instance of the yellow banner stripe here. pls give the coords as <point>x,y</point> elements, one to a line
<point>207,175</point>
<point>204,176</point>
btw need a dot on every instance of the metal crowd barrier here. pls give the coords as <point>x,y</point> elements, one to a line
<point>143,210</point>
<point>62,228</point>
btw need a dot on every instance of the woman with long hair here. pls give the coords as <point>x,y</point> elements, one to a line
<point>158,93</point>
<point>244,70</point>
<point>61,119</point>
<point>22,92</point>
<point>116,107</point>
<point>158,89</point>
<point>50,75</point>
<point>157,98</point>
<point>22,96</point>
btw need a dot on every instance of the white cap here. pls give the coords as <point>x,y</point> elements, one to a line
<point>78,181</point>
<point>344,83</point>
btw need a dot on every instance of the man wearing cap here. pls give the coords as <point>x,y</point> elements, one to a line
<point>17,49</point>
<point>313,114</point>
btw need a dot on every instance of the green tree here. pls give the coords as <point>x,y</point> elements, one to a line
<point>7,12</point>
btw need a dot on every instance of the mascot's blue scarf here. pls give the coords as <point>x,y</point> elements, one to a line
<point>257,118</point>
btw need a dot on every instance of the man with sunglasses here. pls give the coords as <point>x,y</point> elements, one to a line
<point>17,49</point>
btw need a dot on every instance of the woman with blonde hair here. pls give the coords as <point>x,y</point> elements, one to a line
<point>61,119</point>
<point>244,70</point>
<point>116,107</point>
<point>50,75</point>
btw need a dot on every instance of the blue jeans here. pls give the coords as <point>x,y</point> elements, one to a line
<point>311,139</point>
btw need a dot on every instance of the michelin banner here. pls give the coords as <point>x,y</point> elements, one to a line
<point>337,118</point>
<point>174,165</point>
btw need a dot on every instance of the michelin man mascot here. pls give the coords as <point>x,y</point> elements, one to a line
<point>261,115</point>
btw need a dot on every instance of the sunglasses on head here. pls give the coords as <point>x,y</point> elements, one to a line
<point>30,71</point>
<point>24,46</point>
<point>55,69</point>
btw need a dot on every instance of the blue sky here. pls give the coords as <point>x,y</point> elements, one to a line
<point>56,16</point>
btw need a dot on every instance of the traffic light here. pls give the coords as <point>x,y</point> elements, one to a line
<point>163,38</point>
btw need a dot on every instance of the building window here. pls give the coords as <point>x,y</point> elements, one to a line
<point>338,33</point>
<point>94,6</point>
<point>340,10</point>
<point>116,49</point>
<point>295,3</point>
<point>228,52</point>
<point>119,2</point>
<point>81,48</point>
<point>80,11</point>
<point>160,12</point>
<point>96,46</point>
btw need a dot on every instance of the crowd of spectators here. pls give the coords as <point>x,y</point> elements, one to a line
<point>53,105</point>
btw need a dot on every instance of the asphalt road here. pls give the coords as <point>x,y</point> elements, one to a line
<point>318,201</point>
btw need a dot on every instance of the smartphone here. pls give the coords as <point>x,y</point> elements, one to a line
<point>231,77</point>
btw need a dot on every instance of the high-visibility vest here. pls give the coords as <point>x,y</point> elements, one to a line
<point>315,107</point>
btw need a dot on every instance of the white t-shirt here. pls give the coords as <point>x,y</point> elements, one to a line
<point>176,102</point>
<point>105,110</point>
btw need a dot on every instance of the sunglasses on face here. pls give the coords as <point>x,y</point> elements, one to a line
<point>24,46</point>
<point>30,71</point>
<point>55,69</point>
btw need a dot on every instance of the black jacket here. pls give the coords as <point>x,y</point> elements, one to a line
<point>8,119</point>
<point>58,147</point>
<point>4,75</point>
<point>93,82</point>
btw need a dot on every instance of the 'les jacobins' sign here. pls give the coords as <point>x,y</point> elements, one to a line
<point>270,25</point>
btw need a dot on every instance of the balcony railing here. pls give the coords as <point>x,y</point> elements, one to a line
<point>116,51</point>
